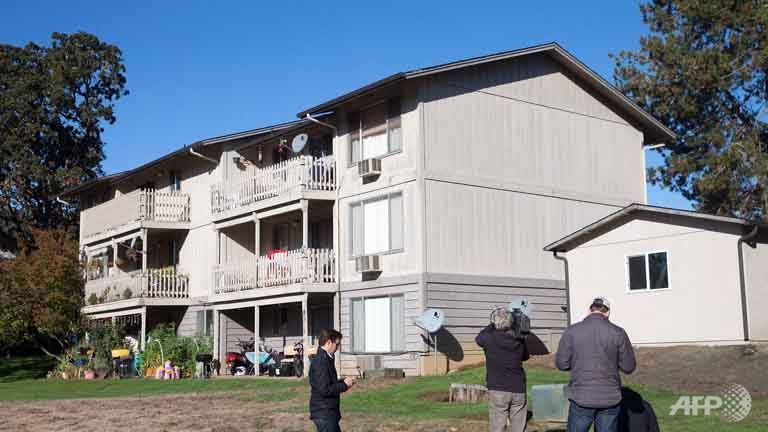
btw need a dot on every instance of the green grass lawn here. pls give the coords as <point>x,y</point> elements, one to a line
<point>417,399</point>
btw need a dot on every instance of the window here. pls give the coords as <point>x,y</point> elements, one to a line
<point>175,181</point>
<point>378,324</point>
<point>377,225</point>
<point>648,271</point>
<point>205,323</point>
<point>375,131</point>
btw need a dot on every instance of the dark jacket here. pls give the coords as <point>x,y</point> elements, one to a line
<point>594,350</point>
<point>504,357</point>
<point>636,414</point>
<point>326,388</point>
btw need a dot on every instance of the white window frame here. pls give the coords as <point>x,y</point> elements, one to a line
<point>352,163</point>
<point>647,288</point>
<point>391,338</point>
<point>351,231</point>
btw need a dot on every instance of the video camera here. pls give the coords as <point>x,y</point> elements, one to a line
<point>518,314</point>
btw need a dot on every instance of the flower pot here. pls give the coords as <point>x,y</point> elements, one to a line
<point>64,375</point>
<point>149,372</point>
<point>89,375</point>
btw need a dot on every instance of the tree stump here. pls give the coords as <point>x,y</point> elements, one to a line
<point>467,393</point>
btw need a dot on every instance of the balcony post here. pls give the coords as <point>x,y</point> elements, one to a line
<point>143,341</point>
<point>218,247</point>
<point>216,334</point>
<point>144,248</point>
<point>114,258</point>
<point>256,336</point>
<point>305,329</point>
<point>256,236</point>
<point>304,223</point>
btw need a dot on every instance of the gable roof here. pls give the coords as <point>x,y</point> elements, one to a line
<point>654,131</point>
<point>634,211</point>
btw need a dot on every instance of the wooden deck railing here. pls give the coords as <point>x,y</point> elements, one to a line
<point>143,204</point>
<point>302,173</point>
<point>164,284</point>
<point>153,283</point>
<point>297,266</point>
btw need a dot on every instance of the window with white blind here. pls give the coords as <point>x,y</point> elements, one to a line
<point>378,324</point>
<point>375,131</point>
<point>377,225</point>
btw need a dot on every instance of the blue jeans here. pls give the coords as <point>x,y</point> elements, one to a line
<point>327,425</point>
<point>581,418</point>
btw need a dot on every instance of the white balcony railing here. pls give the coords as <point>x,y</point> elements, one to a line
<point>145,204</point>
<point>302,173</point>
<point>153,283</point>
<point>297,266</point>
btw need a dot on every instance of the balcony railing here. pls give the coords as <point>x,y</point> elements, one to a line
<point>139,205</point>
<point>297,266</point>
<point>153,283</point>
<point>303,173</point>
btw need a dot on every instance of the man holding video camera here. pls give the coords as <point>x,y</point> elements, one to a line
<point>505,351</point>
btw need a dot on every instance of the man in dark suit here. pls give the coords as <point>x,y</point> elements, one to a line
<point>326,385</point>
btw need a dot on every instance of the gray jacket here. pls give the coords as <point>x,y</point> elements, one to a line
<point>594,350</point>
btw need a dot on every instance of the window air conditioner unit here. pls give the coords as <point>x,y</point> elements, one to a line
<point>368,264</point>
<point>369,167</point>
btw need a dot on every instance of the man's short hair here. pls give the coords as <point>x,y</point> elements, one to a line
<point>329,335</point>
<point>501,319</point>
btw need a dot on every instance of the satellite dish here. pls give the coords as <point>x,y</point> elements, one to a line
<point>299,142</point>
<point>431,320</point>
<point>522,304</point>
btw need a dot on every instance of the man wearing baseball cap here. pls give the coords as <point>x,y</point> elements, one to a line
<point>594,351</point>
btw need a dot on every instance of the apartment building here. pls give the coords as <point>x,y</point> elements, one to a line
<point>436,187</point>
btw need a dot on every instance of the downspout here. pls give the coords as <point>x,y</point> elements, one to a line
<point>747,238</point>
<point>194,153</point>
<point>322,123</point>
<point>567,285</point>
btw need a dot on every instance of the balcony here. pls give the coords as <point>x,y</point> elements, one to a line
<point>285,268</point>
<point>153,283</point>
<point>135,207</point>
<point>300,174</point>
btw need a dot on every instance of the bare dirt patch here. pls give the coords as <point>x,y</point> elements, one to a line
<point>694,369</point>
<point>211,412</point>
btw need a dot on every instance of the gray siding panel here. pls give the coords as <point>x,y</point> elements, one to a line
<point>467,307</point>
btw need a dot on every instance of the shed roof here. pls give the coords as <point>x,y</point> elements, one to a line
<point>633,211</point>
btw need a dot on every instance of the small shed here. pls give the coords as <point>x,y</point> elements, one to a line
<point>672,276</point>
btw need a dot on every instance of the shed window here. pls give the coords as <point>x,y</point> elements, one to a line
<point>648,271</point>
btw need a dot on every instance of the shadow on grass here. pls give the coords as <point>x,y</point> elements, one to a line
<point>25,368</point>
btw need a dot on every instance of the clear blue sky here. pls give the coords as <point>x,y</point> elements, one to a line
<point>195,70</point>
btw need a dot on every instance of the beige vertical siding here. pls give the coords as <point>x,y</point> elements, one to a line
<point>525,122</point>
<point>756,269</point>
<point>703,302</point>
<point>490,232</point>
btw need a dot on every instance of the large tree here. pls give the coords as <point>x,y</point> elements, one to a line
<point>53,103</point>
<point>41,292</point>
<point>703,71</point>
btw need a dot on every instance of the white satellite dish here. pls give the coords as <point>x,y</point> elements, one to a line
<point>521,303</point>
<point>432,320</point>
<point>299,142</point>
